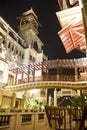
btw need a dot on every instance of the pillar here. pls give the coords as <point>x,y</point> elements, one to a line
<point>24,98</point>
<point>49,102</point>
<point>55,97</point>
<point>76,73</point>
<point>78,92</point>
<point>13,100</point>
<point>57,71</point>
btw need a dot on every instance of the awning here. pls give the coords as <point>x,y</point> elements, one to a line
<point>73,36</point>
<point>72,33</point>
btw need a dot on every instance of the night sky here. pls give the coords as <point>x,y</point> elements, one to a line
<point>46,12</point>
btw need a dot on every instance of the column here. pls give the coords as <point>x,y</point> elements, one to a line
<point>76,73</point>
<point>78,92</point>
<point>57,72</point>
<point>49,102</point>
<point>24,99</point>
<point>55,97</point>
<point>13,100</point>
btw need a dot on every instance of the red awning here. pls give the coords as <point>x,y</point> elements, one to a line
<point>73,36</point>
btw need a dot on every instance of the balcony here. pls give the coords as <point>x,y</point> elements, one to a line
<point>66,119</point>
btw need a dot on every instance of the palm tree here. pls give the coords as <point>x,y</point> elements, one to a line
<point>79,102</point>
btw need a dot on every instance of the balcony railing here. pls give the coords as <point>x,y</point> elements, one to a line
<point>62,118</point>
<point>47,78</point>
<point>66,118</point>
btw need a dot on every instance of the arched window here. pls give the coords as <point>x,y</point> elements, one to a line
<point>35,46</point>
<point>12,48</point>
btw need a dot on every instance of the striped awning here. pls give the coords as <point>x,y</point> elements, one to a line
<point>73,36</point>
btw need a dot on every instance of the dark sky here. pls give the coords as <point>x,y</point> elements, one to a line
<point>46,12</point>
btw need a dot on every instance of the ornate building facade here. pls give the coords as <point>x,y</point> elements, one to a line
<point>18,49</point>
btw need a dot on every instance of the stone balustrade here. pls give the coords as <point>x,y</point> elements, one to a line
<point>22,120</point>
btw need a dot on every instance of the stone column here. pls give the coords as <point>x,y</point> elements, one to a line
<point>13,100</point>
<point>49,102</point>
<point>55,97</point>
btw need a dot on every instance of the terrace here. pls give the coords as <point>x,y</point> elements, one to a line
<point>53,74</point>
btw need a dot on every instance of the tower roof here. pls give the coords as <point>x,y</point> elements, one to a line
<point>30,12</point>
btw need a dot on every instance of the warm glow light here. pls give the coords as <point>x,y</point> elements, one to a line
<point>33,92</point>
